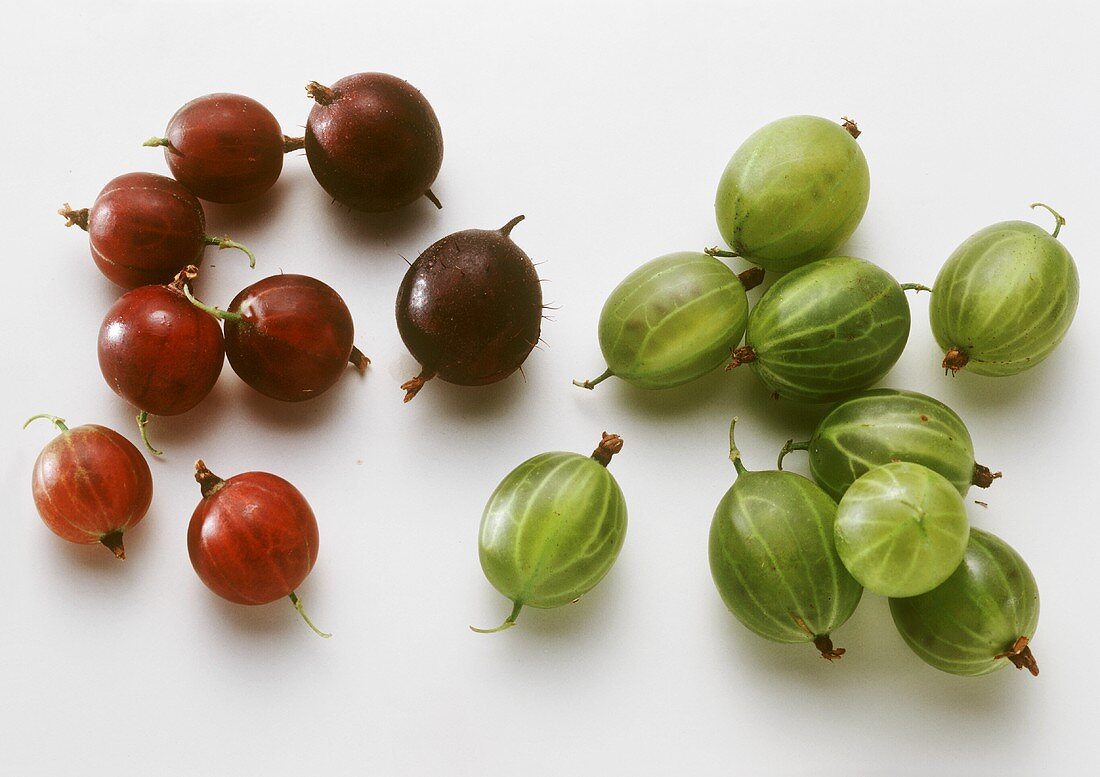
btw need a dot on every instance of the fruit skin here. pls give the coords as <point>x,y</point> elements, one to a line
<point>90,485</point>
<point>373,142</point>
<point>772,558</point>
<point>882,425</point>
<point>224,148</point>
<point>673,320</point>
<point>143,228</point>
<point>827,330</point>
<point>901,529</point>
<point>552,529</point>
<point>295,338</point>
<point>977,614</point>
<point>158,351</point>
<point>253,539</point>
<point>792,193</point>
<point>470,308</point>
<point>1005,298</point>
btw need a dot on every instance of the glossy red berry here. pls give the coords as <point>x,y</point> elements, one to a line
<point>373,142</point>
<point>158,351</point>
<point>144,228</point>
<point>225,147</point>
<point>470,308</point>
<point>91,485</point>
<point>253,538</point>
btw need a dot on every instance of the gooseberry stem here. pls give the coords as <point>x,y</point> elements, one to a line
<point>591,384</point>
<point>506,230</point>
<point>216,312</point>
<point>359,360</point>
<point>154,141</point>
<point>113,542</point>
<point>735,454</point>
<point>915,287</point>
<point>322,94</point>
<point>225,242</point>
<point>609,445</point>
<point>293,144</point>
<point>1021,656</point>
<point>720,252</point>
<point>143,423</point>
<point>433,199</point>
<point>58,422</point>
<point>788,446</point>
<point>509,622</point>
<point>1059,220</point>
<point>954,360</point>
<point>209,483</point>
<point>983,476</point>
<point>850,125</point>
<point>412,387</point>
<point>74,218</point>
<point>301,611</point>
<point>821,641</point>
<point>740,356</point>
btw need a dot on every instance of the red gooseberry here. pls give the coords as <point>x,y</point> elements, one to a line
<point>90,485</point>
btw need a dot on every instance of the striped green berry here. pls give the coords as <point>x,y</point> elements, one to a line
<point>673,320</point>
<point>901,529</point>
<point>553,528</point>
<point>883,425</point>
<point>826,330</point>
<point>1004,299</point>
<point>793,192</point>
<point>981,618</point>
<point>773,560</point>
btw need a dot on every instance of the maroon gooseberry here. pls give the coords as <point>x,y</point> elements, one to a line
<point>91,484</point>
<point>470,308</point>
<point>225,147</point>
<point>144,228</point>
<point>373,142</point>
<point>290,337</point>
<point>253,538</point>
<point>158,351</point>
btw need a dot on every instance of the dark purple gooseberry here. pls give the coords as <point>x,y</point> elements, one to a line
<point>373,142</point>
<point>225,147</point>
<point>470,308</point>
<point>290,337</point>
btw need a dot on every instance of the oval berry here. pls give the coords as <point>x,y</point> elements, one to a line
<point>553,528</point>
<point>673,320</point>
<point>1004,299</point>
<point>981,618</point>
<point>793,192</point>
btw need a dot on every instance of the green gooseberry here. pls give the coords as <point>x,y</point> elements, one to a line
<point>981,618</point>
<point>882,425</point>
<point>1005,298</point>
<point>673,320</point>
<point>773,560</point>
<point>793,192</point>
<point>826,330</point>
<point>901,529</point>
<point>553,528</point>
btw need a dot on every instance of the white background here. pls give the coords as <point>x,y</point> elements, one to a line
<point>607,125</point>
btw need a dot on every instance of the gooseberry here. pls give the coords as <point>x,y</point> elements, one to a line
<point>980,619</point>
<point>883,425</point>
<point>225,147</point>
<point>553,528</point>
<point>91,485</point>
<point>470,308</point>
<point>252,538</point>
<point>773,560</point>
<point>290,337</point>
<point>159,352</point>
<point>901,529</point>
<point>793,192</point>
<point>144,228</point>
<point>373,142</point>
<point>673,320</point>
<point>826,330</point>
<point>1004,299</point>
